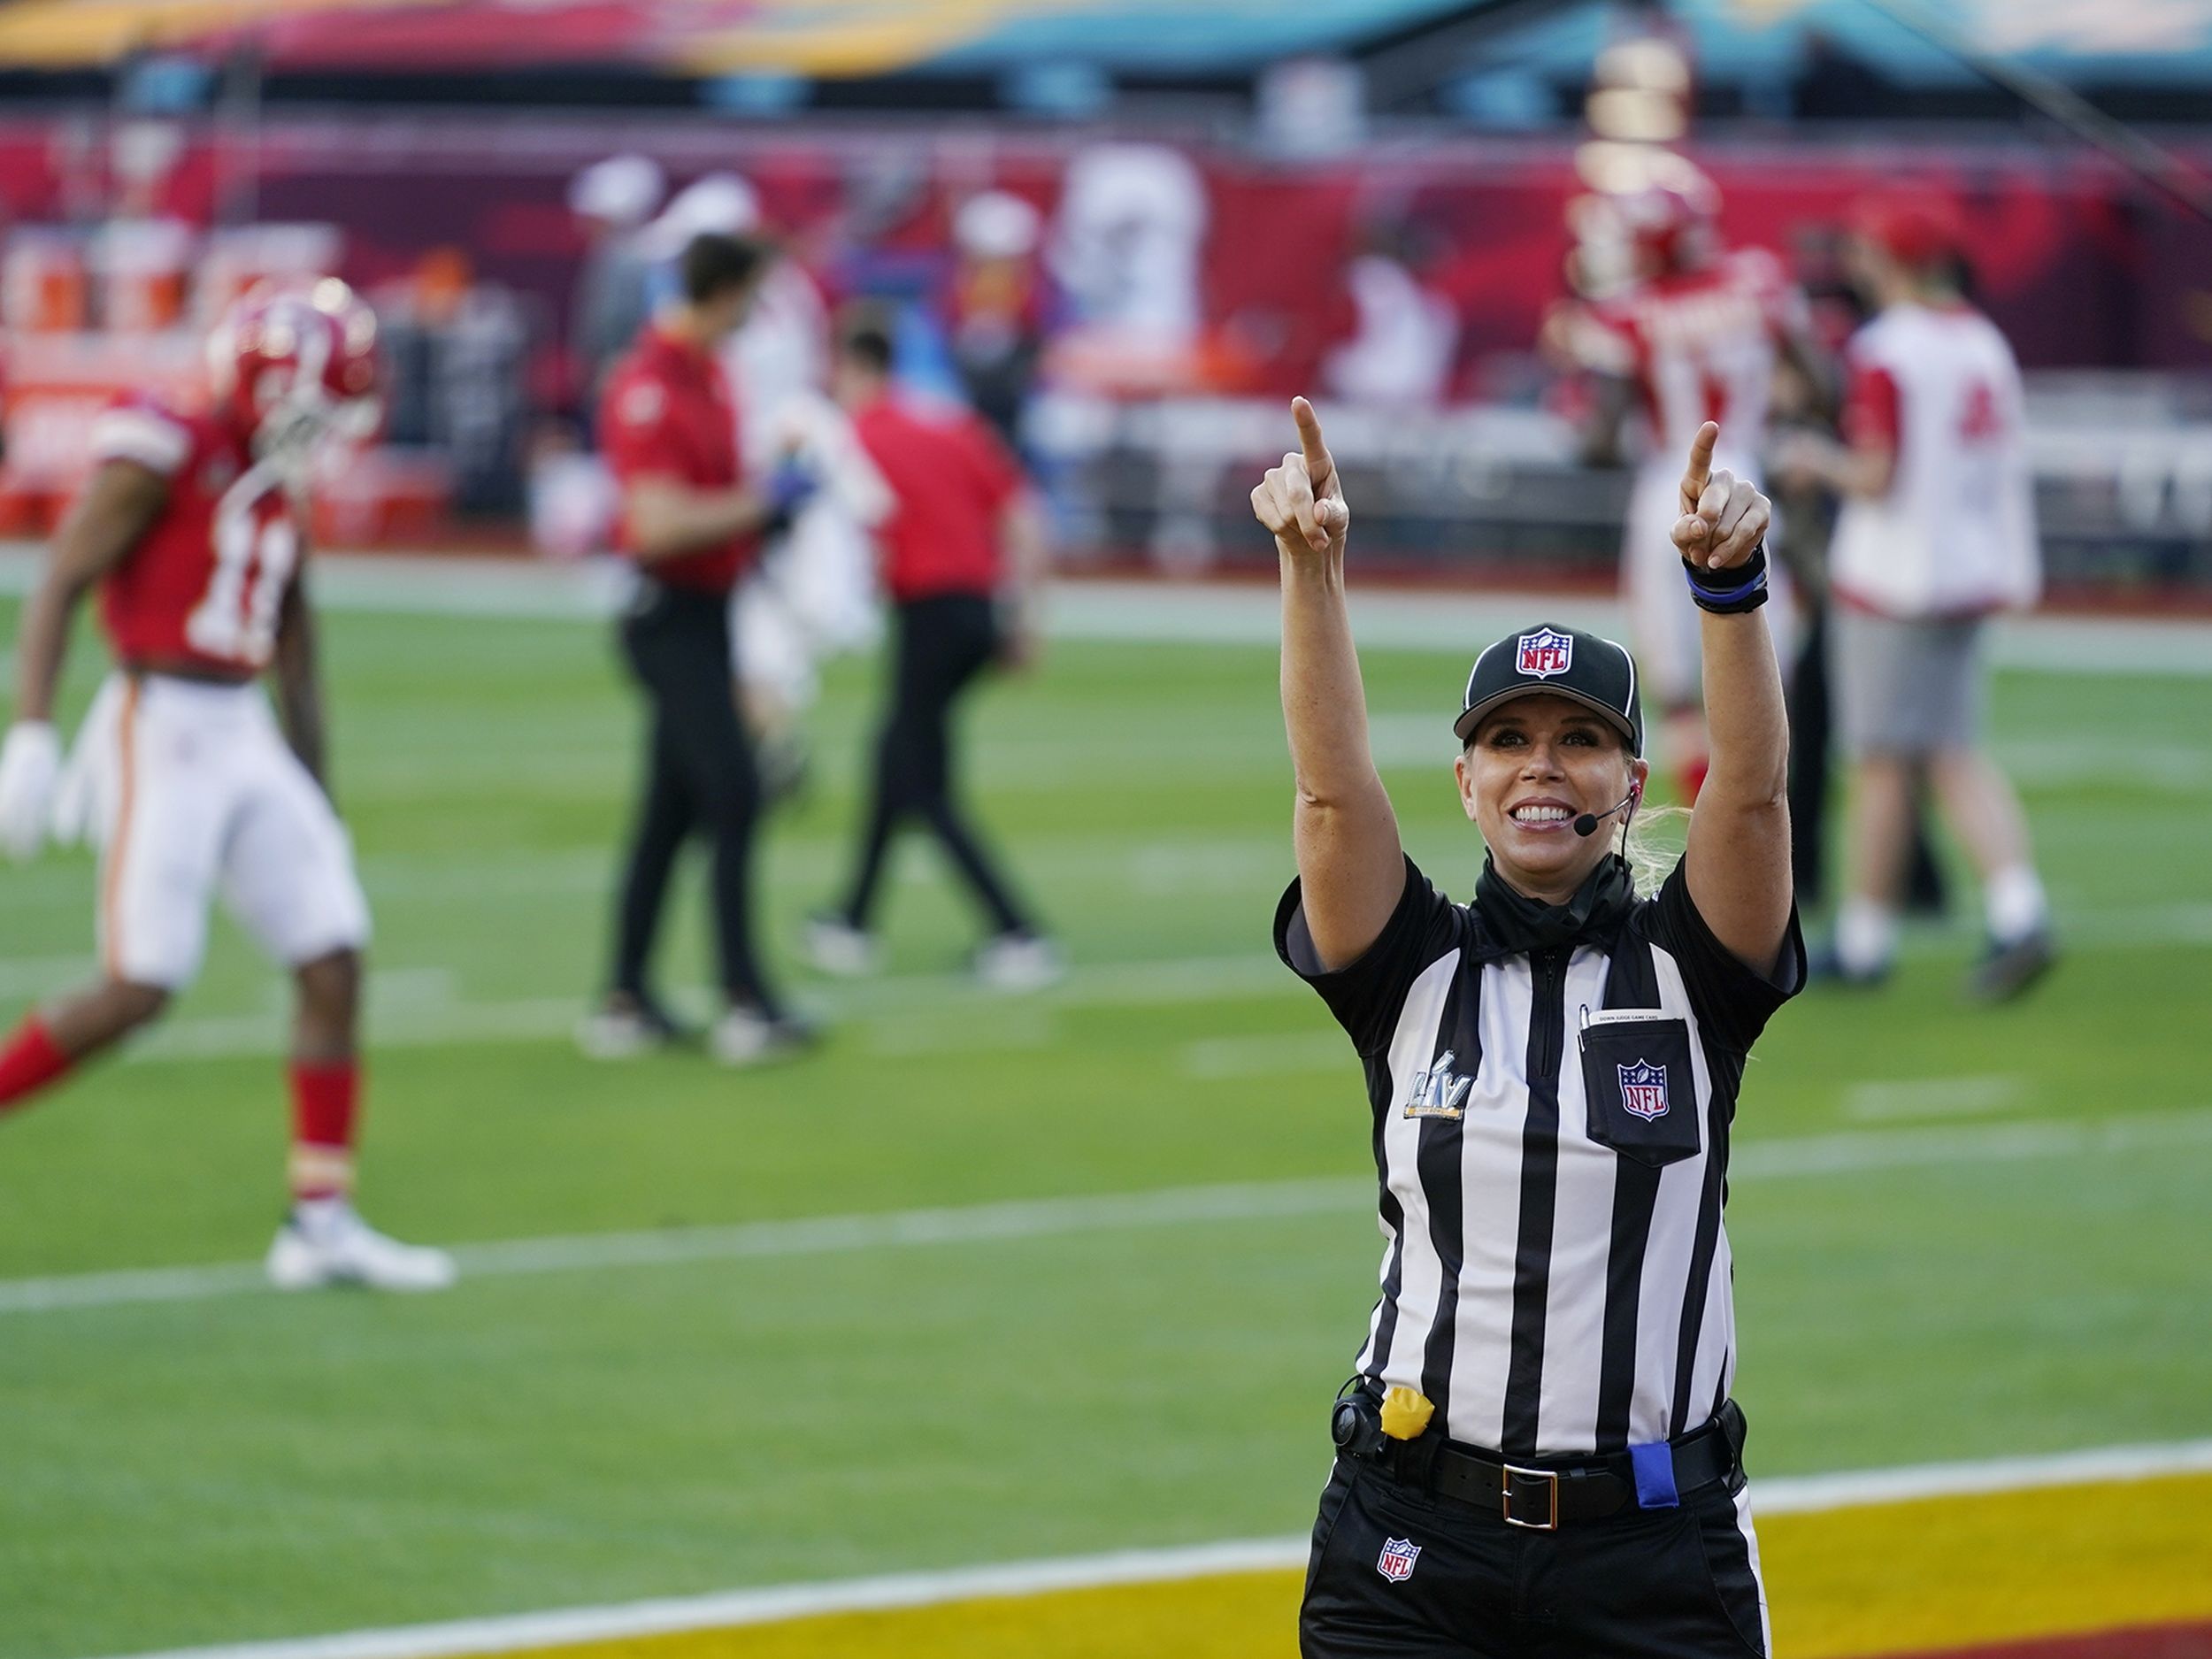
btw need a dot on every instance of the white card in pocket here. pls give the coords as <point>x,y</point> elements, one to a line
<point>1623,1016</point>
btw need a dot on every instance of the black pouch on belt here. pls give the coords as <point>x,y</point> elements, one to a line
<point>1356,1423</point>
<point>1642,1094</point>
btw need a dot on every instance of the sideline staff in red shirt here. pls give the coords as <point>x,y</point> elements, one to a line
<point>964,537</point>
<point>669,426</point>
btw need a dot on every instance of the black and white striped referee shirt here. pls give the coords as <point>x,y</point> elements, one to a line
<point>1551,1136</point>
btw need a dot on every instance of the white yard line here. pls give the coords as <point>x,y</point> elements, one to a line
<point>411,1021</point>
<point>1197,613</point>
<point>1268,1054</point>
<point>1019,1028</point>
<point>227,1036</point>
<point>27,977</point>
<point>1876,1101</point>
<point>1455,620</point>
<point>775,1604</point>
<point>1808,1156</point>
<point>1813,1495</point>
<point>812,1235</point>
<point>1983,1143</point>
<point>415,1021</point>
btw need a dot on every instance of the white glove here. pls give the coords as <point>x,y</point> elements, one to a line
<point>30,766</point>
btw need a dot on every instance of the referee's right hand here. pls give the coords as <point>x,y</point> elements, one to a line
<point>1301,502</point>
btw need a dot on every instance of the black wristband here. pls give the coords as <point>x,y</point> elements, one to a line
<point>1730,591</point>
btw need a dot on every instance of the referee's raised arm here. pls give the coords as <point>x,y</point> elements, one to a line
<point>1350,866</point>
<point>1738,863</point>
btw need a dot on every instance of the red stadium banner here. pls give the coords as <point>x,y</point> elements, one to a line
<point>57,384</point>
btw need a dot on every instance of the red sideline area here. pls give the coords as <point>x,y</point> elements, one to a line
<point>2145,599</point>
<point>2160,1641</point>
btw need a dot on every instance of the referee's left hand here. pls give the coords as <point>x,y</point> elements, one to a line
<point>1724,518</point>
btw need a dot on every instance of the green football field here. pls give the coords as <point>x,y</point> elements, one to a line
<point>1148,1257</point>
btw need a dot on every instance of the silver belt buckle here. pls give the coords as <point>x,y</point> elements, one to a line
<point>1550,1479</point>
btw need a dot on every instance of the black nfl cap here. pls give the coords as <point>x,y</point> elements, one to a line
<point>1564,662</point>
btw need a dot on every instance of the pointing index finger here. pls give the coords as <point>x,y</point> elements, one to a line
<point>1319,467</point>
<point>1700,466</point>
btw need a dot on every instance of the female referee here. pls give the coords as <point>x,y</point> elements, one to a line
<point>1538,1452</point>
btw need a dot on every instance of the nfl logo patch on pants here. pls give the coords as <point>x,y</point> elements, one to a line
<point>1397,1559</point>
<point>1396,1570</point>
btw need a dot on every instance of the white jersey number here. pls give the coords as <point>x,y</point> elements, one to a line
<point>236,618</point>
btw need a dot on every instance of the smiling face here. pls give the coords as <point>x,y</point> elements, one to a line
<point>1535,765</point>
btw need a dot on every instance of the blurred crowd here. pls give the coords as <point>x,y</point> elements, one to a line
<point>1659,326</point>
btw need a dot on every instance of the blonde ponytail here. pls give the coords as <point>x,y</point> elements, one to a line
<point>1653,842</point>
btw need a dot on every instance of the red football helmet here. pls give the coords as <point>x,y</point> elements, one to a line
<point>291,363</point>
<point>1671,226</point>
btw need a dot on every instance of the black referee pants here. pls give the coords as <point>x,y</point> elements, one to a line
<point>1643,1584</point>
<point>943,642</point>
<point>698,777</point>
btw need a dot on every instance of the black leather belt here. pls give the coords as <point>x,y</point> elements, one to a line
<point>1535,1497</point>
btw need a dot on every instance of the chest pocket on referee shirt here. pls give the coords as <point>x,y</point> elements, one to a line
<point>1642,1095</point>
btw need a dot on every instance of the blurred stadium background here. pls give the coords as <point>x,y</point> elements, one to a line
<point>1065,1282</point>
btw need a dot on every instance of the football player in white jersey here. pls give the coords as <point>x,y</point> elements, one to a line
<point>1693,335</point>
<point>1936,534</point>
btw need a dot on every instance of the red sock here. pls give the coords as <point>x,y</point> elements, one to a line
<point>326,1100</point>
<point>29,1063</point>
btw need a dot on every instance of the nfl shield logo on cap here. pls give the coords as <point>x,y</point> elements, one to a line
<point>1545,653</point>
<point>1548,660</point>
<point>1644,1089</point>
<point>1398,1556</point>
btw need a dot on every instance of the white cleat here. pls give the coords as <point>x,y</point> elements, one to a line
<point>836,947</point>
<point>625,1030</point>
<point>327,1244</point>
<point>745,1036</point>
<point>1018,962</point>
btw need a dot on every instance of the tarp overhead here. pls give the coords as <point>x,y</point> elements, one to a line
<point>852,37</point>
<point>2111,40</point>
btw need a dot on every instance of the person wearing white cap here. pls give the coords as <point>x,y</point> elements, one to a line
<point>610,199</point>
<point>994,308</point>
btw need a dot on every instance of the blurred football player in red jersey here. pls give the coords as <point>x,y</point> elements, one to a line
<point>1694,334</point>
<point>191,529</point>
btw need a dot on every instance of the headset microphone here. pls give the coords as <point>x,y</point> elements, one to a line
<point>1587,824</point>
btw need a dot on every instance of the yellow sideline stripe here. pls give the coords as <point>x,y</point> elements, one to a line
<point>1947,1573</point>
<point>1846,1584</point>
<point>1235,1617</point>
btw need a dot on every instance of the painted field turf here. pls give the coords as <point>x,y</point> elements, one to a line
<point>2124,1570</point>
<point>218,1469</point>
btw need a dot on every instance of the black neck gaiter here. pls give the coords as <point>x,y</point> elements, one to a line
<point>1518,924</point>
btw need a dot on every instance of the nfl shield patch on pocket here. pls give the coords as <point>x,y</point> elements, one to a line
<point>1644,1089</point>
<point>1398,1556</point>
